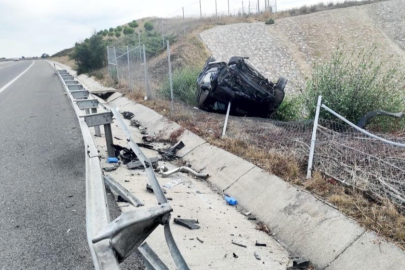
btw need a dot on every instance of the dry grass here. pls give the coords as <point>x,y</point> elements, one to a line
<point>65,60</point>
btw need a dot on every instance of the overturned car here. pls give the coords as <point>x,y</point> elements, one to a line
<point>238,82</point>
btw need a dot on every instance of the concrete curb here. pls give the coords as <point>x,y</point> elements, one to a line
<point>306,226</point>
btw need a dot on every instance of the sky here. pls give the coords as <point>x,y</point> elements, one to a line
<point>31,28</point>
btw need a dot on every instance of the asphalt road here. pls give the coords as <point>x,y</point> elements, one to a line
<point>42,173</point>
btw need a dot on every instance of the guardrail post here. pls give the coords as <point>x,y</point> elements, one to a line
<point>313,139</point>
<point>109,140</point>
<point>97,128</point>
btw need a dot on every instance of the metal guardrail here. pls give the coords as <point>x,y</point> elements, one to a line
<point>112,242</point>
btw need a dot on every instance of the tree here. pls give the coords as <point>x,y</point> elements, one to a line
<point>117,34</point>
<point>128,31</point>
<point>133,24</point>
<point>44,55</point>
<point>111,29</point>
<point>148,26</point>
<point>89,55</point>
<point>118,29</point>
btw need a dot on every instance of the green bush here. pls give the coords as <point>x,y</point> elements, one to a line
<point>148,26</point>
<point>118,29</point>
<point>353,84</point>
<point>111,29</point>
<point>110,34</point>
<point>269,21</point>
<point>291,109</point>
<point>90,54</point>
<point>184,85</point>
<point>128,31</point>
<point>117,34</point>
<point>133,24</point>
<point>104,33</point>
<point>153,42</point>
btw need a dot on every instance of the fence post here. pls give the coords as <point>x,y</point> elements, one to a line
<point>216,9</point>
<point>129,70</point>
<point>313,139</point>
<point>275,7</point>
<point>228,8</point>
<point>116,65</point>
<point>108,60</point>
<point>184,24</point>
<point>170,74</point>
<point>226,120</point>
<point>163,35</point>
<point>200,11</point>
<point>243,9</point>
<point>258,6</point>
<point>145,67</point>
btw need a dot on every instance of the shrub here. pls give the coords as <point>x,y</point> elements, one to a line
<point>148,26</point>
<point>117,34</point>
<point>291,109</point>
<point>269,21</point>
<point>128,31</point>
<point>153,42</point>
<point>118,29</point>
<point>133,24</point>
<point>110,34</point>
<point>184,85</point>
<point>104,33</point>
<point>111,29</point>
<point>89,55</point>
<point>353,84</point>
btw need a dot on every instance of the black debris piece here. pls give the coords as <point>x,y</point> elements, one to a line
<point>150,189</point>
<point>169,199</point>
<point>135,123</point>
<point>144,145</point>
<point>299,264</point>
<point>170,153</point>
<point>125,154</point>
<point>235,256</point>
<point>201,241</point>
<point>110,168</point>
<point>261,244</point>
<point>147,138</point>
<point>188,223</point>
<point>238,244</point>
<point>128,115</point>
<point>251,218</point>
<point>117,138</point>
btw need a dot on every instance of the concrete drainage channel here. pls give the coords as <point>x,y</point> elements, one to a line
<point>111,242</point>
<point>306,226</point>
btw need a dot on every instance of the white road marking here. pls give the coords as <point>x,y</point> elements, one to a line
<point>16,78</point>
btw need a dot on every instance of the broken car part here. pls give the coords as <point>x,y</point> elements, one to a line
<point>139,165</point>
<point>127,115</point>
<point>121,191</point>
<point>363,121</point>
<point>184,169</point>
<point>238,244</point>
<point>299,264</point>
<point>170,153</point>
<point>238,82</point>
<point>188,223</point>
<point>261,244</point>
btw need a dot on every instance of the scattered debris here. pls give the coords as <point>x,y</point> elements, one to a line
<point>150,189</point>
<point>147,138</point>
<point>173,183</point>
<point>185,169</point>
<point>127,115</point>
<point>144,145</point>
<point>136,164</point>
<point>248,213</point>
<point>112,160</point>
<point>230,200</point>
<point>235,256</point>
<point>201,241</point>
<point>170,153</point>
<point>258,244</point>
<point>188,223</point>
<point>257,256</point>
<point>110,168</point>
<point>239,244</point>
<point>251,218</point>
<point>263,227</point>
<point>135,123</point>
<point>125,154</point>
<point>169,199</point>
<point>299,264</point>
<point>121,199</point>
<point>117,138</point>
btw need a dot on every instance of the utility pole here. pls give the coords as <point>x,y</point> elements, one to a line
<point>243,10</point>
<point>228,8</point>
<point>216,9</point>
<point>258,6</point>
<point>276,6</point>
<point>200,11</point>
<point>249,8</point>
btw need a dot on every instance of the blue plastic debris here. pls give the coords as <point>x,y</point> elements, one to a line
<point>230,200</point>
<point>112,160</point>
